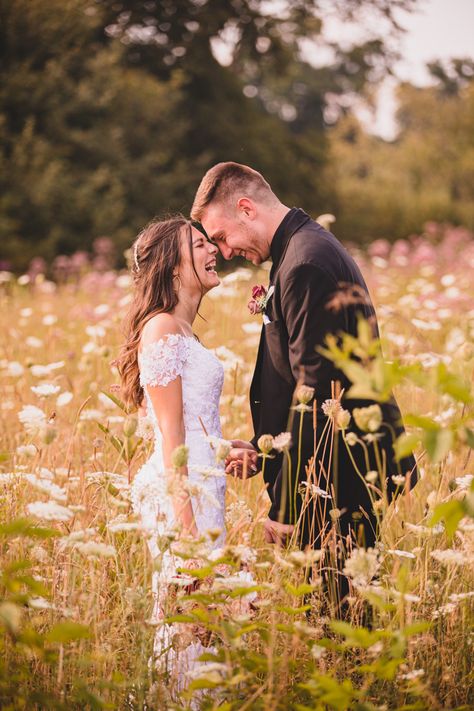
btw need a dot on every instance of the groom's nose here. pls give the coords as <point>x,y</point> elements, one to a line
<point>226,251</point>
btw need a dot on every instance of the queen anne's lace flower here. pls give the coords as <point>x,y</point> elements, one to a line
<point>362,565</point>
<point>32,418</point>
<point>50,511</point>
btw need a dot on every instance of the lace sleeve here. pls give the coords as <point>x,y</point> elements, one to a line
<point>162,361</point>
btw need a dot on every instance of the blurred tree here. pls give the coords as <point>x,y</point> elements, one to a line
<point>86,146</point>
<point>427,173</point>
<point>111,110</point>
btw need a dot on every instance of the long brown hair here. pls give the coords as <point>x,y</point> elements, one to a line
<point>156,257</point>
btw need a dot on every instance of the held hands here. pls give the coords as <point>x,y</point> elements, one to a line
<point>241,462</point>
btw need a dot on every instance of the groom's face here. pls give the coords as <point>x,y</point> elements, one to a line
<point>237,232</point>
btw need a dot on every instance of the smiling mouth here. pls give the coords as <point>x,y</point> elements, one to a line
<point>211,268</point>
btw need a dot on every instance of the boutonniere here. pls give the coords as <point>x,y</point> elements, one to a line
<point>260,298</point>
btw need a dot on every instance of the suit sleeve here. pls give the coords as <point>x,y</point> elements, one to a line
<point>308,321</point>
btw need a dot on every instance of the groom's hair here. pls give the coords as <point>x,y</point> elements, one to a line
<point>224,180</point>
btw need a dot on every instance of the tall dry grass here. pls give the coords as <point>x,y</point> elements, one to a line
<point>76,573</point>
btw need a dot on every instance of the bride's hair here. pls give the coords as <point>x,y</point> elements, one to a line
<point>156,256</point>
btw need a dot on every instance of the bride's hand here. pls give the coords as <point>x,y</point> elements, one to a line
<point>241,462</point>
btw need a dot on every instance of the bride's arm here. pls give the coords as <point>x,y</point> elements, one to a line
<point>164,388</point>
<point>167,404</point>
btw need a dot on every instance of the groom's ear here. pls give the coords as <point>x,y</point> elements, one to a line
<point>247,206</point>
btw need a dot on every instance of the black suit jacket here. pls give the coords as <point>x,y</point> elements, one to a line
<point>310,266</point>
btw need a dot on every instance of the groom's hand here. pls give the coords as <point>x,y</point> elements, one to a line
<point>242,461</point>
<point>276,532</point>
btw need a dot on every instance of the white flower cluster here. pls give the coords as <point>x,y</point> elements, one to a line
<point>50,511</point>
<point>362,566</point>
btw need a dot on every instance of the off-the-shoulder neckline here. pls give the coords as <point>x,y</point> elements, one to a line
<point>166,336</point>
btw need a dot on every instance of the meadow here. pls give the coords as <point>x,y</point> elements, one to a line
<point>76,574</point>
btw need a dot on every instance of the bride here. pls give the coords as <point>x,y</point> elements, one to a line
<point>166,370</point>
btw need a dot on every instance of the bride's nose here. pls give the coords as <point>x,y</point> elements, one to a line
<point>212,248</point>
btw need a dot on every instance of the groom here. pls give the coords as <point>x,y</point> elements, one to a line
<point>242,215</point>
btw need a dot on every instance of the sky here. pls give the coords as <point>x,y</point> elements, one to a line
<point>439,29</point>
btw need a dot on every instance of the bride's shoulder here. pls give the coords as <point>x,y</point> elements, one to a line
<point>159,327</point>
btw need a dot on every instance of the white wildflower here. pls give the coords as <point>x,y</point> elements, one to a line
<point>412,675</point>
<point>318,652</point>
<point>123,281</point>
<point>424,530</point>
<point>464,482</point>
<point>40,554</point>
<point>94,549</point>
<point>77,508</point>
<point>91,414</point>
<point>307,557</point>
<point>123,526</point>
<point>42,371</point>
<point>238,513</point>
<point>331,408</point>
<point>49,319</point>
<point>372,476</point>
<point>47,487</point>
<point>96,331</point>
<point>34,342</point>
<point>351,438</point>
<point>399,480</point>
<point>45,389</point>
<point>50,511</point>
<point>449,556</point>
<point>282,441</point>
<point>102,309</point>
<point>362,565</point>
<point>26,313</point>
<point>14,369</point>
<point>401,554</point>
<point>26,450</point>
<point>64,398</point>
<point>32,418</point>
<point>313,490</point>
<point>457,597</point>
<point>40,603</point>
<point>408,597</point>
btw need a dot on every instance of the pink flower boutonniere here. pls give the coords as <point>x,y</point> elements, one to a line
<point>260,298</point>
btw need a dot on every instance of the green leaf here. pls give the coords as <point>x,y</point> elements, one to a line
<point>438,443</point>
<point>416,628</point>
<point>405,444</point>
<point>453,385</point>
<point>67,632</point>
<point>425,423</point>
<point>303,589</point>
<point>469,434</point>
<point>118,402</point>
<point>27,527</point>
<point>293,610</point>
<point>451,512</point>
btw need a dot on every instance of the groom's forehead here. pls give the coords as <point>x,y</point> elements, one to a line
<point>215,221</point>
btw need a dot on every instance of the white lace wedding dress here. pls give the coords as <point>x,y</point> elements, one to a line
<point>202,378</point>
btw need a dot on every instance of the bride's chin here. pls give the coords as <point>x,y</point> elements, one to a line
<point>210,287</point>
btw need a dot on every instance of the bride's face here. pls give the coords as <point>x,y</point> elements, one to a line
<point>202,277</point>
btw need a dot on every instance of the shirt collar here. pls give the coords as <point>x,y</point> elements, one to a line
<point>292,221</point>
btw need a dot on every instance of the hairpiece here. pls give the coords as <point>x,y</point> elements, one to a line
<point>135,254</point>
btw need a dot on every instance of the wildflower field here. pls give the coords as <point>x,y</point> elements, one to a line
<point>76,574</point>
